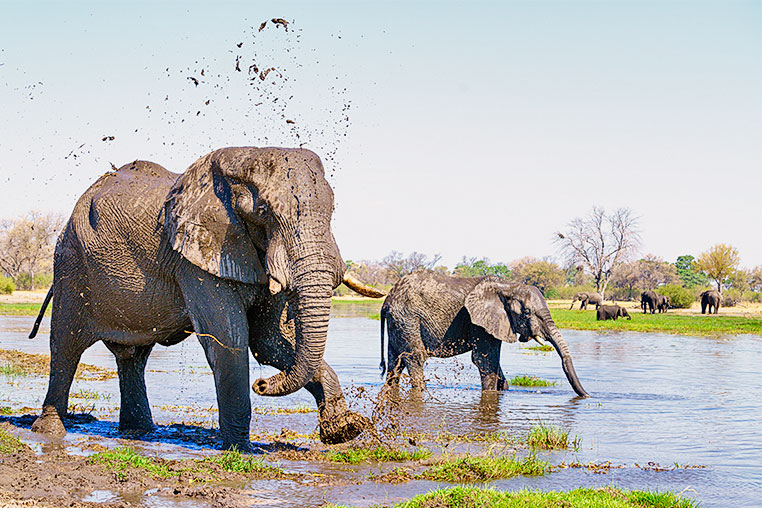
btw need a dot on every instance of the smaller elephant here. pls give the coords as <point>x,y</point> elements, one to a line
<point>710,299</point>
<point>585,298</point>
<point>648,300</point>
<point>614,312</point>
<point>662,303</point>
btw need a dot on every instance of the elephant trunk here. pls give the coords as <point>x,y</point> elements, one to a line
<point>310,300</point>
<point>559,343</point>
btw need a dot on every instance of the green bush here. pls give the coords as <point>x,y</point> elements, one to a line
<point>552,294</point>
<point>623,294</point>
<point>41,281</point>
<point>568,292</point>
<point>7,286</point>
<point>752,296</point>
<point>730,298</point>
<point>679,297</point>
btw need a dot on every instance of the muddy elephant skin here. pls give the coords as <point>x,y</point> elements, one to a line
<point>585,298</point>
<point>710,299</point>
<point>150,256</point>
<point>431,314</point>
<point>606,312</point>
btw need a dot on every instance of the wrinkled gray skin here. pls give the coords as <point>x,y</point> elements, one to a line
<point>149,256</point>
<point>431,314</point>
<point>710,299</point>
<point>648,301</point>
<point>585,298</point>
<point>662,303</point>
<point>606,312</point>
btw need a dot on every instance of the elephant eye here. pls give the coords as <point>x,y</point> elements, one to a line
<point>261,210</point>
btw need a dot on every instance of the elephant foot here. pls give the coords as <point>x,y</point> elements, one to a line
<point>136,428</point>
<point>342,428</point>
<point>49,423</point>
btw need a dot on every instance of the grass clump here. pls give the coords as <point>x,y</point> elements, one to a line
<point>607,497</point>
<point>234,461</point>
<point>544,347</point>
<point>376,454</point>
<point>22,309</point>
<point>9,443</point>
<point>122,458</point>
<point>700,324</point>
<point>550,437</point>
<point>12,371</point>
<point>527,380</point>
<point>481,469</point>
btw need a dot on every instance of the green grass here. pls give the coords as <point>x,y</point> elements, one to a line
<point>668,323</point>
<point>12,371</point>
<point>606,497</point>
<point>9,443</point>
<point>550,437</point>
<point>120,459</point>
<point>376,454</point>
<point>525,380</point>
<point>22,309</point>
<point>544,347</point>
<point>6,410</point>
<point>90,395</point>
<point>237,462</point>
<point>480,469</point>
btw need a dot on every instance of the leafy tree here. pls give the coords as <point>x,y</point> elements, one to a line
<point>541,273</point>
<point>718,263</point>
<point>737,279</point>
<point>471,267</point>
<point>688,274</point>
<point>600,242</point>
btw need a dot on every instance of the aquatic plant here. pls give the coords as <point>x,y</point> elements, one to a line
<point>122,458</point>
<point>544,347</point>
<point>527,380</point>
<point>236,462</point>
<point>550,437</point>
<point>484,468</point>
<point>377,454</point>
<point>12,371</point>
<point>9,443</point>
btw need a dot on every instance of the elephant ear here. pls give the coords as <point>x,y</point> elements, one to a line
<point>486,306</point>
<point>202,226</point>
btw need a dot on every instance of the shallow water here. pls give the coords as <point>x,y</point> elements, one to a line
<point>656,398</point>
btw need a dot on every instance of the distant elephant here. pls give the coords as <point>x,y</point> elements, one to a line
<point>710,299</point>
<point>149,257</point>
<point>649,300</point>
<point>585,298</point>
<point>662,303</point>
<point>606,312</point>
<point>432,314</point>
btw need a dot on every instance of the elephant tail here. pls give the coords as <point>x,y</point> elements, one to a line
<point>382,365</point>
<point>45,303</point>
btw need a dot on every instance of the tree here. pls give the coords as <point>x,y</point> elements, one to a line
<point>541,273</point>
<point>737,279</point>
<point>397,266</point>
<point>471,267</point>
<point>687,273</point>
<point>600,242</point>
<point>718,263</point>
<point>646,273</point>
<point>26,244</point>
<point>755,278</point>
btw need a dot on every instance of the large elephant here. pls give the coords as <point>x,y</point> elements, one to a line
<point>149,257</point>
<point>662,303</point>
<point>710,299</point>
<point>606,312</point>
<point>649,300</point>
<point>432,314</point>
<point>585,298</point>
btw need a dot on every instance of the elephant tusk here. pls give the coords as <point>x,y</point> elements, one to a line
<point>355,285</point>
<point>275,286</point>
<point>539,340</point>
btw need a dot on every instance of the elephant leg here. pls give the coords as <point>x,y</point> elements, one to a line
<point>134,410</point>
<point>414,363</point>
<point>486,356</point>
<point>69,338</point>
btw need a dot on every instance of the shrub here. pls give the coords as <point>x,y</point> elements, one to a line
<point>730,297</point>
<point>679,297</point>
<point>7,286</point>
<point>568,292</point>
<point>752,296</point>
<point>622,294</point>
<point>552,294</point>
<point>41,280</point>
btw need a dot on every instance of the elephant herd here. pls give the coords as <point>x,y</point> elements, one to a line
<point>239,250</point>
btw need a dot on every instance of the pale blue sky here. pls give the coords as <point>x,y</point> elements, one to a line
<point>475,128</point>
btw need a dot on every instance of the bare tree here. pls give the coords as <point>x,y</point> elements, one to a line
<point>397,265</point>
<point>26,244</point>
<point>600,242</point>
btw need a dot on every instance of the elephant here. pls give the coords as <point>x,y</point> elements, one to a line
<point>710,298</point>
<point>433,314</point>
<point>585,298</point>
<point>237,249</point>
<point>611,312</point>
<point>662,303</point>
<point>649,299</point>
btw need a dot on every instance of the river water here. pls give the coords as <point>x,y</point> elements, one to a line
<point>656,399</point>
